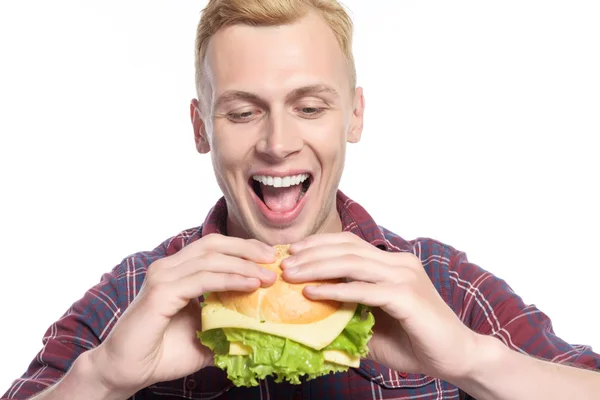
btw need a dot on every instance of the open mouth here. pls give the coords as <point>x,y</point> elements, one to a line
<point>281,194</point>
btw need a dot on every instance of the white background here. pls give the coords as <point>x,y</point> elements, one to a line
<point>483,116</point>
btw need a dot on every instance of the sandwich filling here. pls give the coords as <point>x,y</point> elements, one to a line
<point>250,350</point>
<point>277,331</point>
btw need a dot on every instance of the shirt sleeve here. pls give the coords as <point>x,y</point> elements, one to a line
<point>82,327</point>
<point>489,306</point>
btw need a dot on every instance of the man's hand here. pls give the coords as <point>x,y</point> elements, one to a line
<point>415,330</point>
<point>155,338</point>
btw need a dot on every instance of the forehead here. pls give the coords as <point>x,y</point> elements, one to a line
<point>272,61</point>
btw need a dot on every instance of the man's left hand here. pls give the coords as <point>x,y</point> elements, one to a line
<point>415,330</point>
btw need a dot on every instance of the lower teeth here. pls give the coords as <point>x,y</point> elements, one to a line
<point>301,195</point>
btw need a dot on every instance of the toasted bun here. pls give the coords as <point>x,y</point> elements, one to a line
<point>281,302</point>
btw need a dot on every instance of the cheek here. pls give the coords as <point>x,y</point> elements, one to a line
<point>230,148</point>
<point>328,140</point>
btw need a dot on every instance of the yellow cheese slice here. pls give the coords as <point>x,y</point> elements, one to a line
<point>334,356</point>
<point>316,335</point>
<point>239,349</point>
<point>342,358</point>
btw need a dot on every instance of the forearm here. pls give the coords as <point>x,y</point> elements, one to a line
<point>80,382</point>
<point>503,374</point>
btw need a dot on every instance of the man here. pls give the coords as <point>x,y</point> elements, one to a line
<point>277,103</point>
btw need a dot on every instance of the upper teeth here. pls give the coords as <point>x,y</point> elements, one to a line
<point>281,181</point>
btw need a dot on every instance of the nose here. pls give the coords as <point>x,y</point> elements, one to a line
<point>280,139</point>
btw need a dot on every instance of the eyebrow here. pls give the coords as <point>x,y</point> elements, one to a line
<point>232,95</point>
<point>303,91</point>
<point>310,90</point>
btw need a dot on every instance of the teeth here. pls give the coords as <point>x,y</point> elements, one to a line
<point>278,181</point>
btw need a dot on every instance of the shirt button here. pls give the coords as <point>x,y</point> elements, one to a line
<point>190,384</point>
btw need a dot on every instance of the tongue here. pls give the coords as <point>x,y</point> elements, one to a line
<point>281,199</point>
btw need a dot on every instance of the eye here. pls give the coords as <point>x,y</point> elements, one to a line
<point>311,112</point>
<point>240,117</point>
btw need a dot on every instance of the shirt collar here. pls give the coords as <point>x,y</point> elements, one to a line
<point>354,218</point>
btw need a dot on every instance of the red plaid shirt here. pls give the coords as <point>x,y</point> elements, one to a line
<point>482,301</point>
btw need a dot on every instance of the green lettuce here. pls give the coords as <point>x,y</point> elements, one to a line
<point>282,358</point>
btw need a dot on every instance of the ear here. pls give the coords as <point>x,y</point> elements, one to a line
<point>356,125</point>
<point>200,135</point>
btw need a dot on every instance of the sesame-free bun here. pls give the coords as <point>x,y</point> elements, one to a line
<point>282,302</point>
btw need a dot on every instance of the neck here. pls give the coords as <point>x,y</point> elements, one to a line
<point>333,224</point>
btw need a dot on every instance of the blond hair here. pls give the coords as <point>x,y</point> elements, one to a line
<point>222,13</point>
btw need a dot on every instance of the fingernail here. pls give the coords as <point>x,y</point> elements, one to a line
<point>272,252</point>
<point>269,258</point>
<point>311,290</point>
<point>269,274</point>
<point>287,263</point>
<point>252,281</point>
<point>291,271</point>
<point>295,247</point>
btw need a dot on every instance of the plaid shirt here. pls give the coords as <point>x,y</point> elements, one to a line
<point>482,301</point>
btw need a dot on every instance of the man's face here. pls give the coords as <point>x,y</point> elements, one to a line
<point>279,113</point>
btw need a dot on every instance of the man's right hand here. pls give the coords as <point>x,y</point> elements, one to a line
<point>155,338</point>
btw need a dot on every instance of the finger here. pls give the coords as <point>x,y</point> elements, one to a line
<point>324,239</point>
<point>334,251</point>
<point>249,249</point>
<point>369,294</point>
<point>349,267</point>
<point>170,297</point>
<point>218,263</point>
<point>207,281</point>
<point>399,301</point>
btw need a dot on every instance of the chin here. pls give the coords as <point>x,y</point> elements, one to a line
<point>288,235</point>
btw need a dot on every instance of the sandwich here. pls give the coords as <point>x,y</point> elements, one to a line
<point>278,332</point>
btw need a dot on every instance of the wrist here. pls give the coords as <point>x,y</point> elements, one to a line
<point>481,363</point>
<point>90,370</point>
